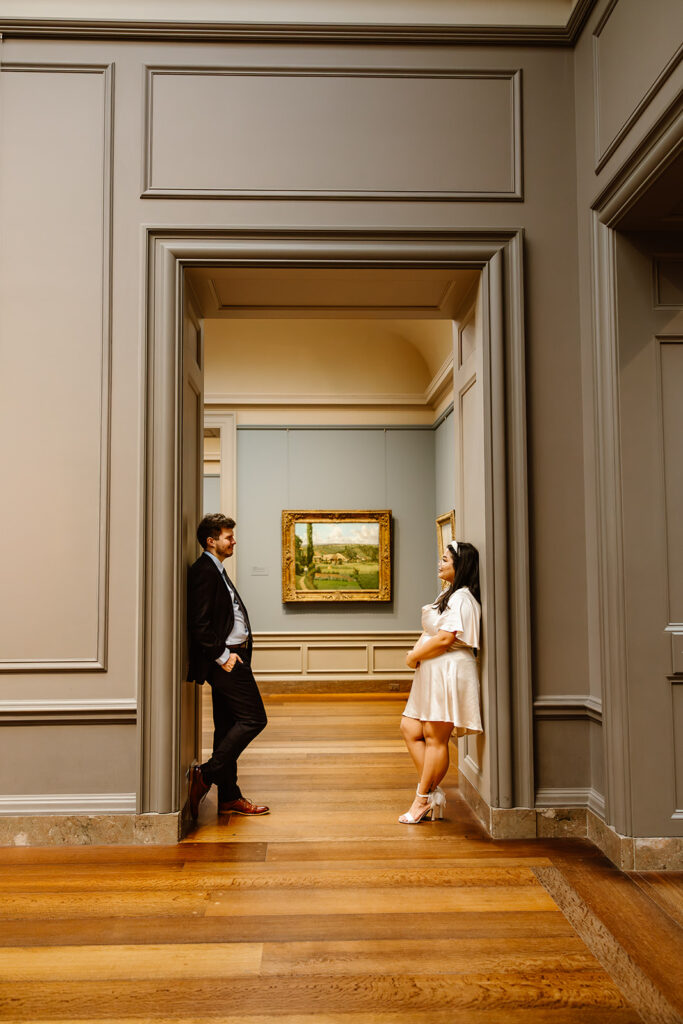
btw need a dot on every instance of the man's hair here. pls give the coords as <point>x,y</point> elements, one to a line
<point>212,525</point>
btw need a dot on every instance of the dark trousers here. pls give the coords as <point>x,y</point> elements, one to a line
<point>238,716</point>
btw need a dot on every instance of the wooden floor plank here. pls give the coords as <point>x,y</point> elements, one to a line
<point>131,930</point>
<point>438,956</point>
<point>118,904</point>
<point>529,1015</point>
<point>129,963</point>
<point>321,994</point>
<point>665,888</point>
<point>452,874</point>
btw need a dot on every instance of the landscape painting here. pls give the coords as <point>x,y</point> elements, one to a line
<point>336,556</point>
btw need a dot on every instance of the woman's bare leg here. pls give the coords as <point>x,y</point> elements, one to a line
<point>437,754</point>
<point>413,736</point>
<point>435,763</point>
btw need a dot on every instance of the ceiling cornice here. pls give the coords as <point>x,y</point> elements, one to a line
<point>297,32</point>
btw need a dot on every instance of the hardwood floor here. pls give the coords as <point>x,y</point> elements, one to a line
<point>327,911</point>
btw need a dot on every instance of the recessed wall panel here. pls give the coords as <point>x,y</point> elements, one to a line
<point>326,132</point>
<point>54,340</point>
<point>672,417</point>
<point>669,283</point>
<point>636,47</point>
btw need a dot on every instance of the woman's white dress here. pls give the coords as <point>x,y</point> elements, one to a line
<point>446,688</point>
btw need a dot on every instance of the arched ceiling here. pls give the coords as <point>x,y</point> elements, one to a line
<point>309,331</point>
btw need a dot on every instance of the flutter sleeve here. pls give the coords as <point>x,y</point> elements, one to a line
<point>460,617</point>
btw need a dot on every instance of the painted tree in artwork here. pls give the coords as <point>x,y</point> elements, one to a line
<point>298,555</point>
<point>309,546</point>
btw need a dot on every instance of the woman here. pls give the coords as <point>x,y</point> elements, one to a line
<point>444,697</point>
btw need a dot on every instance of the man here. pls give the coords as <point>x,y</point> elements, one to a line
<point>220,654</point>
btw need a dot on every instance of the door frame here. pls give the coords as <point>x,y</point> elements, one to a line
<point>499,257</point>
<point>658,150</point>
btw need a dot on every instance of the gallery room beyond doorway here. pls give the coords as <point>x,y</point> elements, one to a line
<point>490,268</point>
<point>334,390</point>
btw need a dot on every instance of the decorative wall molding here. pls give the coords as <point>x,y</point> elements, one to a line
<point>564,706</point>
<point>652,156</point>
<point>214,398</point>
<point>68,803</point>
<point>59,712</point>
<point>658,298</point>
<point>579,796</point>
<point>513,191</point>
<point>299,32</point>
<point>440,384</point>
<point>603,153</point>
<point>298,659</point>
<point>99,663</point>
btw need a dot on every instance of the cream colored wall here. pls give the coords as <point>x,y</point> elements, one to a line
<point>248,359</point>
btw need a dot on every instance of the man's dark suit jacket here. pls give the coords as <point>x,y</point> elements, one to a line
<point>210,617</point>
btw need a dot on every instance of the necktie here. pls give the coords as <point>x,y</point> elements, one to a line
<point>240,603</point>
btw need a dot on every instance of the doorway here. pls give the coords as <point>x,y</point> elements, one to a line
<point>173,480</point>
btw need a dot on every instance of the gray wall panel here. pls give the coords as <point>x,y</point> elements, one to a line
<point>562,754</point>
<point>69,758</point>
<point>55,350</point>
<point>365,131</point>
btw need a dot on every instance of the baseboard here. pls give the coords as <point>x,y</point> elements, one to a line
<point>68,803</point>
<point>580,796</point>
<point>312,685</point>
<point>69,829</point>
<point>574,821</point>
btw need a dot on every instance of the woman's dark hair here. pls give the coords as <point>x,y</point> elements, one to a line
<point>466,565</point>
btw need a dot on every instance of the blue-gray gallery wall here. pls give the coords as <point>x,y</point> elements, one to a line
<point>279,468</point>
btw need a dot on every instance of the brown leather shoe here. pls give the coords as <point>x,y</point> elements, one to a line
<point>242,806</point>
<point>196,790</point>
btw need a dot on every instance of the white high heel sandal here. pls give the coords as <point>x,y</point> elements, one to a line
<point>434,808</point>
<point>438,802</point>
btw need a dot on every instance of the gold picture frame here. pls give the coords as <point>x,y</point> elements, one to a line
<point>445,534</point>
<point>336,555</point>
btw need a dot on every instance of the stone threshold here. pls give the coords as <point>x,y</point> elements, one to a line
<point>89,829</point>
<point>629,853</point>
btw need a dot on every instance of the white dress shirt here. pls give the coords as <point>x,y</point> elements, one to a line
<point>240,631</point>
